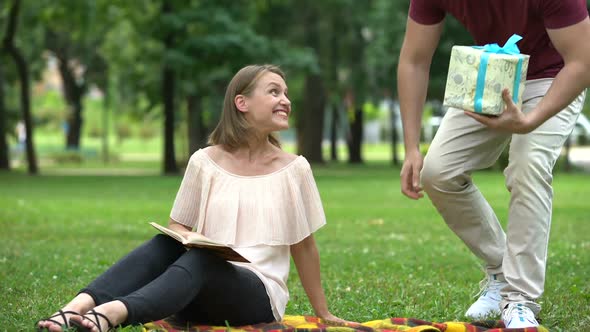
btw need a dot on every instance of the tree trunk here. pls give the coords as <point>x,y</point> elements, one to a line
<point>394,142</point>
<point>310,133</point>
<point>168,82</point>
<point>358,83</point>
<point>335,99</point>
<point>334,133</point>
<point>311,120</point>
<point>197,135</point>
<point>4,153</point>
<point>73,93</point>
<point>356,137</point>
<point>23,73</point>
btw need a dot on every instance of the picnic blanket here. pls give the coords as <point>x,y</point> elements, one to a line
<point>314,324</point>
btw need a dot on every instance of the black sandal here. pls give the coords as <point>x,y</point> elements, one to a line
<point>61,314</point>
<point>81,328</point>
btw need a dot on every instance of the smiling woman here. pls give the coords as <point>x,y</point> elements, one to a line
<point>243,191</point>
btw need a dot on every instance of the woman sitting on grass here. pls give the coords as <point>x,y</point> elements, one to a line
<point>243,191</point>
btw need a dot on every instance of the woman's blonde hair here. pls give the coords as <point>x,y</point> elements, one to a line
<point>233,130</point>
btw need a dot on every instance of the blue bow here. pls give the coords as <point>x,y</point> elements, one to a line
<point>508,48</point>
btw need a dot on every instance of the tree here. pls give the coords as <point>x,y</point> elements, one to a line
<point>311,120</point>
<point>386,23</point>
<point>138,45</point>
<point>297,45</point>
<point>9,47</point>
<point>72,34</point>
<point>357,83</point>
<point>4,153</point>
<point>214,40</point>
<point>168,87</point>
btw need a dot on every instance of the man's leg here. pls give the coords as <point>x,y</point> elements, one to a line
<point>461,146</point>
<point>529,178</point>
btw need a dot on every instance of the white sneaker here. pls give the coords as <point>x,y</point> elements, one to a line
<point>518,315</point>
<point>488,303</point>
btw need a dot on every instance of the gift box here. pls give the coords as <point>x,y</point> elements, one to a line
<point>478,74</point>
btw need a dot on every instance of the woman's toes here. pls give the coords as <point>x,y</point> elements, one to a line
<point>56,322</point>
<point>87,322</point>
<point>76,318</point>
<point>79,320</point>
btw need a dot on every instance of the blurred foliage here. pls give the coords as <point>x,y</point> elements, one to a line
<point>67,157</point>
<point>118,46</point>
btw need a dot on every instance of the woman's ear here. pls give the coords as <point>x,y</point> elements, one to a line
<point>241,104</point>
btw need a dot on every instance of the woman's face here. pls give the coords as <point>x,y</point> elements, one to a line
<point>268,107</point>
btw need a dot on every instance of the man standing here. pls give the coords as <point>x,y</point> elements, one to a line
<point>557,38</point>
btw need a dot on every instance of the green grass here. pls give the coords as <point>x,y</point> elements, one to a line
<point>382,255</point>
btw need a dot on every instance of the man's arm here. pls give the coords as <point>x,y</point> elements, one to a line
<point>573,43</point>
<point>420,42</point>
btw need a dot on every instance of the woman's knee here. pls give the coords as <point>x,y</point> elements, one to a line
<point>164,241</point>
<point>197,260</point>
<point>163,247</point>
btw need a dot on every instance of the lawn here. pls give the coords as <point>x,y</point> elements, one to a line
<point>382,255</point>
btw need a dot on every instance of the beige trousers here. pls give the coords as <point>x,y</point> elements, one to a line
<point>463,145</point>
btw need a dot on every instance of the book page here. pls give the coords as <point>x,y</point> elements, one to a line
<point>197,240</point>
<point>168,232</point>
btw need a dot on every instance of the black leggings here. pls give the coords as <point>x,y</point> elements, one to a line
<point>161,278</point>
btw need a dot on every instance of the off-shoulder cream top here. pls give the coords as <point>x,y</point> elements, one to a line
<point>259,216</point>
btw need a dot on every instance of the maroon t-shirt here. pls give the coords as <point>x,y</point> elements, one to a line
<point>494,21</point>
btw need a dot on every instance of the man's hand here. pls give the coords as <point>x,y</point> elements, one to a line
<point>512,120</point>
<point>410,175</point>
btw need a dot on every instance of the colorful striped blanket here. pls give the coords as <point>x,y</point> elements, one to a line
<point>314,324</point>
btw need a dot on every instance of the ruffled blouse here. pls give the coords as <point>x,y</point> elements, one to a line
<point>259,216</point>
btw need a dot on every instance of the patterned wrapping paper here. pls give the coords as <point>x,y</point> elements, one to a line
<point>500,73</point>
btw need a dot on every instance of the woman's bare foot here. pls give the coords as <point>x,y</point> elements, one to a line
<point>79,305</point>
<point>102,318</point>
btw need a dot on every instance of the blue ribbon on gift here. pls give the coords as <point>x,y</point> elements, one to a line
<point>508,48</point>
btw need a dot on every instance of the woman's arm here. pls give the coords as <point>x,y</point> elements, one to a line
<point>307,260</point>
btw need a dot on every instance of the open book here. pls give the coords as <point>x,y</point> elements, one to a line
<point>197,240</point>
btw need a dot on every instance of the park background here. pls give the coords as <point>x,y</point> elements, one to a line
<point>115,96</point>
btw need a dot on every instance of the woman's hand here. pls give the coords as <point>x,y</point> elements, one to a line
<point>307,260</point>
<point>329,318</point>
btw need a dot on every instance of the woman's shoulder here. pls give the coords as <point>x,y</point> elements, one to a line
<point>294,161</point>
<point>214,152</point>
<point>199,157</point>
<point>287,158</point>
